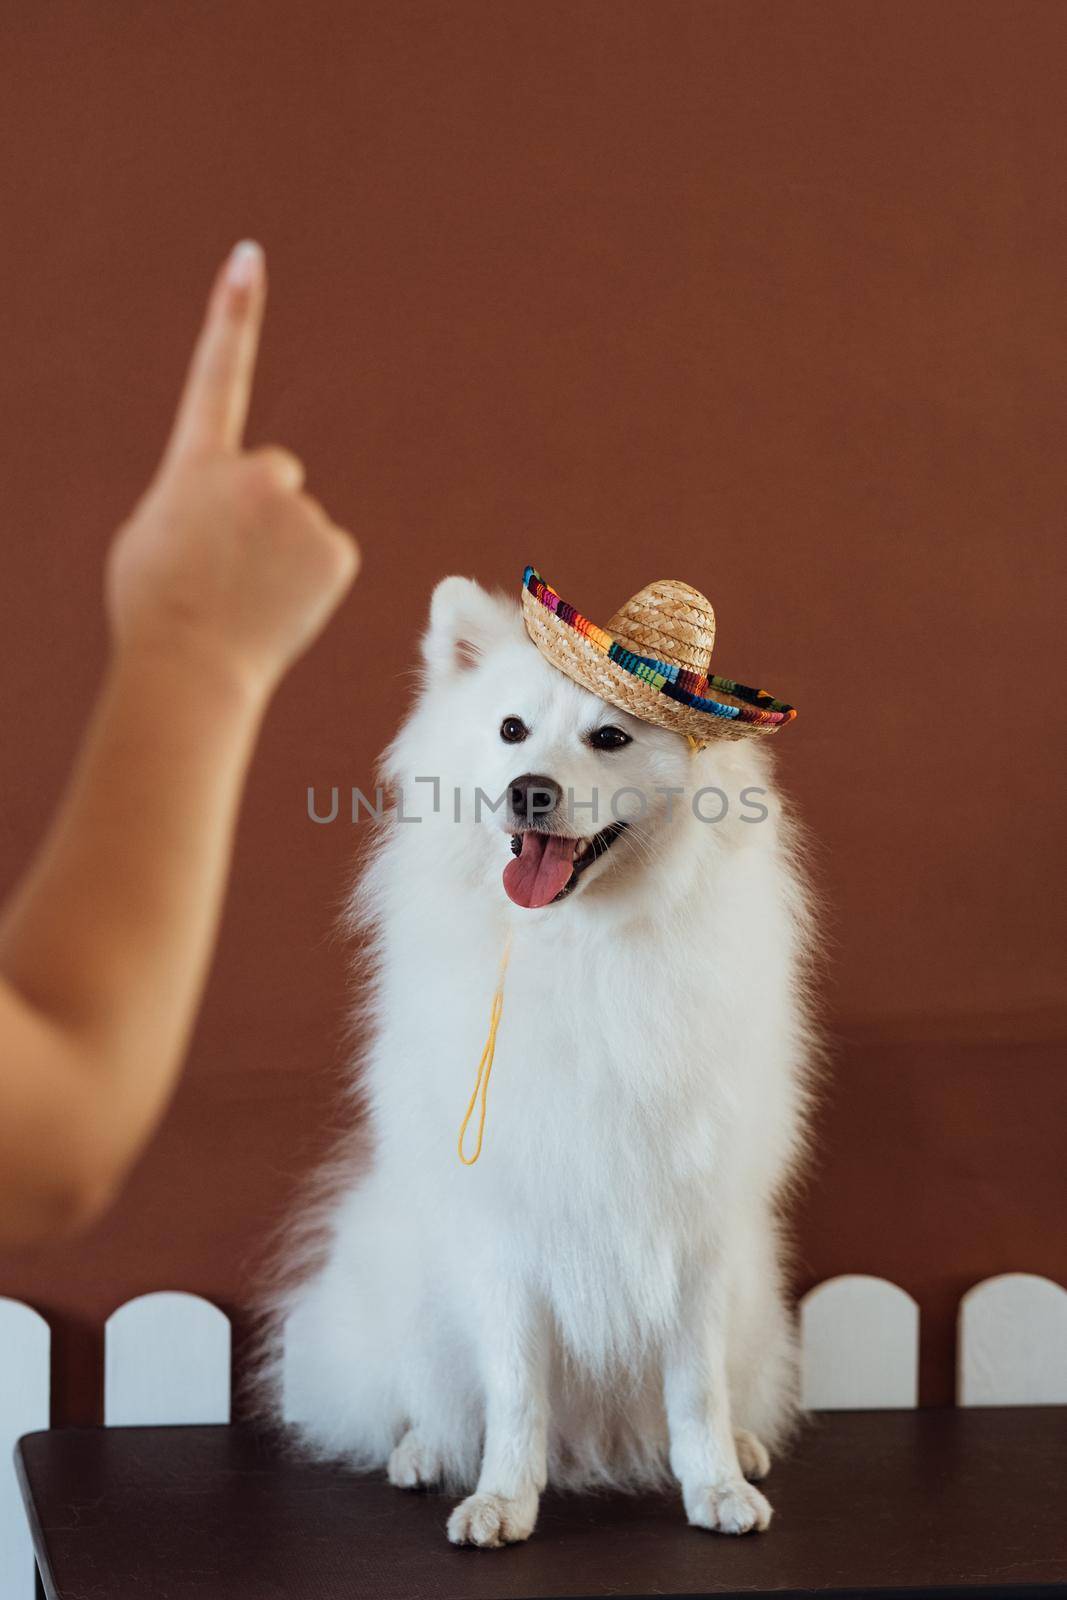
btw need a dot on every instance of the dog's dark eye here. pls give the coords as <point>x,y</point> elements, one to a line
<point>609,738</point>
<point>513,730</point>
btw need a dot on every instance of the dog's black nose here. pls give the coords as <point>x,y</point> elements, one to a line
<point>533,796</point>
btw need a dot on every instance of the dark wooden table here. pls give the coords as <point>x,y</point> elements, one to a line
<point>870,1503</point>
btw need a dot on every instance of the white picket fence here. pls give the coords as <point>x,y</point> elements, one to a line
<point>167,1360</point>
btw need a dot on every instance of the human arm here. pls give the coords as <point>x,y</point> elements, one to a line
<point>222,576</point>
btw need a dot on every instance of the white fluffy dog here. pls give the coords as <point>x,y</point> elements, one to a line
<point>598,1301</point>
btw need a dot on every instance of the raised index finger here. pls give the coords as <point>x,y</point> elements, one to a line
<point>214,403</point>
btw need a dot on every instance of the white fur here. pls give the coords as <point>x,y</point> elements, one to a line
<point>599,1300</point>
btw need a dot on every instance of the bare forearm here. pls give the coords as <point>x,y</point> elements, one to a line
<point>110,936</point>
<point>221,577</point>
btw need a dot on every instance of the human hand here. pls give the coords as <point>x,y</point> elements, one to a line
<point>226,556</point>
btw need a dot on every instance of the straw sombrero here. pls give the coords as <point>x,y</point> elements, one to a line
<point>653,659</point>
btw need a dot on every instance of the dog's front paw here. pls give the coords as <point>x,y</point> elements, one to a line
<point>732,1507</point>
<point>752,1454</point>
<point>412,1465</point>
<point>491,1520</point>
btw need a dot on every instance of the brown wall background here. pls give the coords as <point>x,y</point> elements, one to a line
<point>768,296</point>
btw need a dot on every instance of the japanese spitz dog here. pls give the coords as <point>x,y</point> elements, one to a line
<point>599,1301</point>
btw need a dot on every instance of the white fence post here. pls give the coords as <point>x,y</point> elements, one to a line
<point>25,1358</point>
<point>166,1360</point>
<point>1012,1343</point>
<point>294,1371</point>
<point>859,1346</point>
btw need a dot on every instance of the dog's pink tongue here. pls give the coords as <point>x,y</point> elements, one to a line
<point>536,877</point>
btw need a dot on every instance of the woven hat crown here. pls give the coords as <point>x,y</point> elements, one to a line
<point>669,621</point>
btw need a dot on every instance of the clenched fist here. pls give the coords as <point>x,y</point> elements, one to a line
<point>226,555</point>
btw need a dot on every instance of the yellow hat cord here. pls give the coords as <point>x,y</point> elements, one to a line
<point>485,1066</point>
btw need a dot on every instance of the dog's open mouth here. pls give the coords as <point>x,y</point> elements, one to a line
<point>547,866</point>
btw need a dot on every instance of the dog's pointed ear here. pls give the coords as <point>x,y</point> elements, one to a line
<point>465,620</point>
